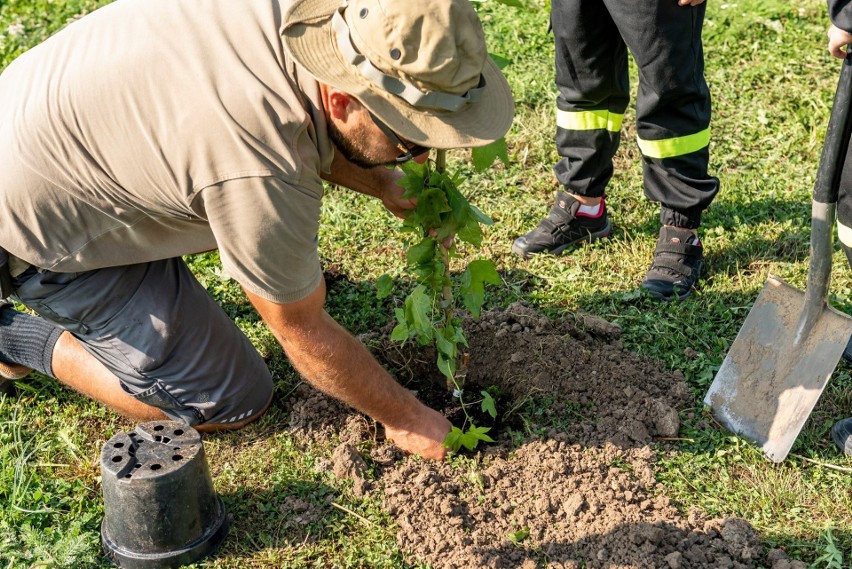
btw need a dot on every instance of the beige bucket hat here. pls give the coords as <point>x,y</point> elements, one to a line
<point>421,66</point>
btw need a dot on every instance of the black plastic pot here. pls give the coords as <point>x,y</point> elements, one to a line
<point>159,503</point>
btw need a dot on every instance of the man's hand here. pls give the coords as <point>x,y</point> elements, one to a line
<point>837,40</point>
<point>689,2</point>
<point>426,438</point>
<point>391,196</point>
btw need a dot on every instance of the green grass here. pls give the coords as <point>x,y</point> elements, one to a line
<point>772,84</point>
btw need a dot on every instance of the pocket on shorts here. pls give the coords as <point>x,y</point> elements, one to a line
<point>158,396</point>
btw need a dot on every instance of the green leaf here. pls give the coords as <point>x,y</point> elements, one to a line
<point>500,61</point>
<point>414,179</point>
<point>480,216</point>
<point>468,441</point>
<point>458,204</point>
<point>446,345</point>
<point>471,233</point>
<point>488,405</point>
<point>423,252</point>
<point>484,156</point>
<point>473,299</point>
<point>384,286</point>
<point>479,433</point>
<point>484,271</point>
<point>472,285</point>
<point>452,440</point>
<point>418,311</point>
<point>431,205</point>
<point>400,333</point>
<point>460,338</point>
<point>520,535</point>
<point>447,366</point>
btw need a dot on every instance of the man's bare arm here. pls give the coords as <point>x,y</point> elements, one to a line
<point>335,362</point>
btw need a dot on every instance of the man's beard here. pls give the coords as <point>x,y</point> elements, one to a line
<point>350,151</point>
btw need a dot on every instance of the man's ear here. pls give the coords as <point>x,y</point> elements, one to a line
<point>340,104</point>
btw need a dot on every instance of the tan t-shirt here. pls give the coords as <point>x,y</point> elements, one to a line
<point>156,128</point>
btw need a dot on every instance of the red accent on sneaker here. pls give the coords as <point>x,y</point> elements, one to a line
<point>597,215</point>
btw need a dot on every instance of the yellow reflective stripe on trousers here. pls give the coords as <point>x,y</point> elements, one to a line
<point>589,120</point>
<point>844,234</point>
<point>670,147</point>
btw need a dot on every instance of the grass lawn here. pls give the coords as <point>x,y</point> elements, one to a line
<point>772,83</point>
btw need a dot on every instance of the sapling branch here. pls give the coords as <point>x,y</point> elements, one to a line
<point>441,219</point>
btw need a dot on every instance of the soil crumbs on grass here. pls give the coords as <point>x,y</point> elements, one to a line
<point>573,488</point>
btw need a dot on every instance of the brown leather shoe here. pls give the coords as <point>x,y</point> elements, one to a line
<point>13,371</point>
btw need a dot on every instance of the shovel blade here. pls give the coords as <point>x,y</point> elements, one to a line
<point>769,384</point>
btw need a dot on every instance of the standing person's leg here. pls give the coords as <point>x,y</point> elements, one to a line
<point>591,74</point>
<point>841,432</point>
<point>146,340</point>
<point>672,118</point>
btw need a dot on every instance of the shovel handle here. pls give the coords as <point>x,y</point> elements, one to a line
<point>824,206</point>
<point>836,139</point>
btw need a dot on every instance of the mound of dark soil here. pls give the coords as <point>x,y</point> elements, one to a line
<point>574,487</point>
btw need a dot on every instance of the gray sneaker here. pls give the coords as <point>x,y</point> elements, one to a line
<point>841,432</point>
<point>562,228</point>
<point>676,265</point>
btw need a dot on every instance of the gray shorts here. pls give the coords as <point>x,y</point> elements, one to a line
<point>156,328</point>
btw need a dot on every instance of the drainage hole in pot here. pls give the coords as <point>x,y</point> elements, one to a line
<point>159,428</point>
<point>155,467</point>
<point>137,465</point>
<point>116,459</point>
<point>158,438</point>
<point>118,445</point>
<point>166,440</point>
<point>128,475</point>
<point>177,448</point>
<point>178,432</point>
<point>177,457</point>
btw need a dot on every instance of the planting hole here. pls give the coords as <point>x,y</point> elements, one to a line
<point>118,445</point>
<point>116,459</point>
<point>137,465</point>
<point>177,448</point>
<point>166,439</point>
<point>158,438</point>
<point>159,428</point>
<point>177,457</point>
<point>128,475</point>
<point>155,467</point>
<point>178,432</point>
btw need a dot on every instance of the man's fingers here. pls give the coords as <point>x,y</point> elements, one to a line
<point>427,441</point>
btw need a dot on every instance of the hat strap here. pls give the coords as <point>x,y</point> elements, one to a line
<point>395,85</point>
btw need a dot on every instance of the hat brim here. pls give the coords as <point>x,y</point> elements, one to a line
<point>310,40</point>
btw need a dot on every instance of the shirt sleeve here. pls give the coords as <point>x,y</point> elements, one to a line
<point>266,232</point>
<point>840,13</point>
